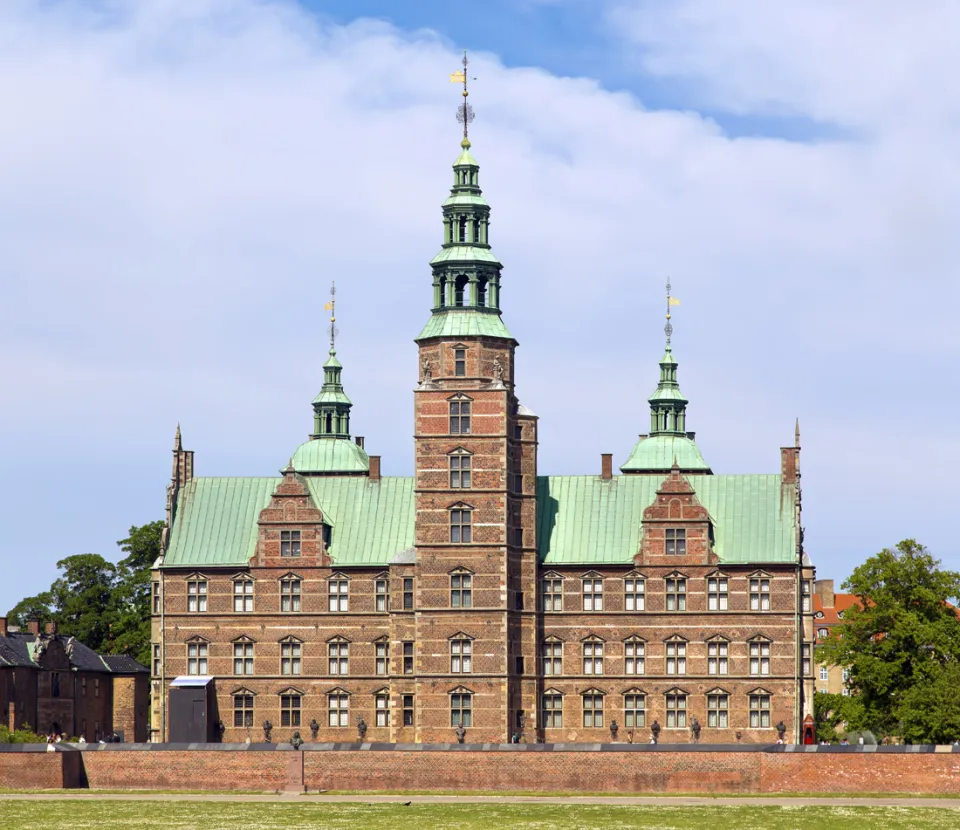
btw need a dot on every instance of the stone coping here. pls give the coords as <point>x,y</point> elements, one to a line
<point>485,747</point>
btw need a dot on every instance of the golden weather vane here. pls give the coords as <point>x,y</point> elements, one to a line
<point>330,307</point>
<point>465,112</point>
<point>671,300</point>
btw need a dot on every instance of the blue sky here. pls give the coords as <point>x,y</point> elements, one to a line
<point>179,183</point>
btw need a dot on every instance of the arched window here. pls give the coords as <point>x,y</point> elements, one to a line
<point>482,292</point>
<point>443,292</point>
<point>462,236</point>
<point>460,291</point>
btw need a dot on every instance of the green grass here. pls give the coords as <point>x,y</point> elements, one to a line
<point>107,814</point>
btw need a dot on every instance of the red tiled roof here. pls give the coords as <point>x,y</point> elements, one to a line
<point>841,602</point>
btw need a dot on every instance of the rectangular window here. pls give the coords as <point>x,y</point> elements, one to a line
<point>197,595</point>
<point>552,658</point>
<point>760,594</point>
<point>338,657</point>
<point>676,594</point>
<point>676,711</point>
<point>460,526</point>
<point>290,658</point>
<point>460,472</point>
<point>196,658</point>
<point>338,591</point>
<point>408,657</point>
<point>459,417</point>
<point>676,541</point>
<point>382,657</point>
<point>461,654</point>
<point>243,595</point>
<point>845,675</point>
<point>407,710</point>
<point>156,597</point>
<point>717,596</point>
<point>634,593</point>
<point>806,602</point>
<point>718,707</point>
<point>290,593</point>
<point>459,362</point>
<point>338,708</point>
<point>520,664</point>
<point>806,663</point>
<point>593,658</point>
<point>289,542</point>
<point>381,596</point>
<point>634,657</point>
<point>290,710</point>
<point>83,687</point>
<point>461,710</point>
<point>552,717</point>
<point>676,658</point>
<point>552,594</point>
<point>243,658</point>
<point>461,590</point>
<point>243,711</point>
<point>592,710</point>
<point>593,595</point>
<point>157,662</point>
<point>96,680</point>
<point>381,705</point>
<point>407,593</point>
<point>634,711</point>
<point>759,658</point>
<point>824,674</point>
<point>759,711</point>
<point>717,662</point>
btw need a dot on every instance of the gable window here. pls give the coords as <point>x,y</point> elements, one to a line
<point>760,711</point>
<point>460,417</point>
<point>461,590</point>
<point>338,657</point>
<point>552,657</point>
<point>338,593</point>
<point>243,710</point>
<point>407,701</point>
<point>760,594</point>
<point>806,662</point>
<point>634,589</point>
<point>717,662</point>
<point>460,469</point>
<point>552,710</point>
<point>290,709</point>
<point>634,656</point>
<point>718,708</point>
<point>676,593</point>
<point>196,658</point>
<point>197,595</point>
<point>593,594</point>
<point>593,657</point>
<point>676,657</point>
<point>676,541</point>
<point>338,709</point>
<point>242,595</point>
<point>290,656</point>
<point>381,705</point>
<point>156,597</point>
<point>634,710</point>
<point>759,658</point>
<point>592,709</point>
<point>461,655</point>
<point>381,597</point>
<point>459,362</point>
<point>289,542</point>
<point>676,704</point>
<point>408,657</point>
<point>717,595</point>
<point>552,593</point>
<point>461,709</point>
<point>290,592</point>
<point>382,657</point>
<point>243,657</point>
<point>461,529</point>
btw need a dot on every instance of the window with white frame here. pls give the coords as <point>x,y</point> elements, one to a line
<point>592,709</point>
<point>461,589</point>
<point>338,593</point>
<point>157,662</point>
<point>676,710</point>
<point>676,657</point>
<point>461,709</point>
<point>593,594</point>
<point>196,658</point>
<point>291,589</point>
<point>676,541</point>
<point>806,659</point>
<point>381,705</point>
<point>760,711</point>
<point>634,656</point>
<point>552,593</point>
<point>242,595</point>
<point>155,593</point>
<point>461,655</point>
<point>593,657</point>
<point>338,657</point>
<point>717,661</point>
<point>243,657</point>
<point>552,710</point>
<point>381,594</point>
<point>338,708</point>
<point>676,593</point>
<point>822,633</point>
<point>552,651</point>
<point>760,593</point>
<point>382,652</point>
<point>718,709</point>
<point>197,595</point>
<point>824,674</point>
<point>634,710</point>
<point>717,593</point>
<point>289,542</point>
<point>460,471</point>
<point>759,657</point>
<point>634,593</point>
<point>290,657</point>
<point>807,595</point>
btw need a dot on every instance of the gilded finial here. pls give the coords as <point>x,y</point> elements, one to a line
<point>333,320</point>
<point>465,112</point>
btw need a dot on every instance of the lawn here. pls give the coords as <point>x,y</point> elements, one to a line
<point>143,815</point>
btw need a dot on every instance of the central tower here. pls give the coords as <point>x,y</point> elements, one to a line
<point>475,489</point>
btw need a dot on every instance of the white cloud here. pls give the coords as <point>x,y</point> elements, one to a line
<point>180,182</point>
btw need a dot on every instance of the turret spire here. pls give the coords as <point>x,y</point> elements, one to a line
<point>668,407</point>
<point>331,408</point>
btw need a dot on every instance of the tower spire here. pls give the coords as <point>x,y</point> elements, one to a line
<point>331,408</point>
<point>331,307</point>
<point>465,112</point>
<point>668,407</point>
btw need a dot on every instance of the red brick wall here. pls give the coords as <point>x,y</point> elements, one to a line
<point>31,770</point>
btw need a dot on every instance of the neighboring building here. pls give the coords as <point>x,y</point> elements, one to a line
<point>478,590</point>
<point>53,683</point>
<point>828,610</point>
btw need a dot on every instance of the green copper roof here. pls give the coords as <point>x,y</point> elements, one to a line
<point>330,455</point>
<point>656,453</point>
<point>465,254</point>
<point>332,396</point>
<point>584,520</point>
<point>465,159</point>
<point>462,323</point>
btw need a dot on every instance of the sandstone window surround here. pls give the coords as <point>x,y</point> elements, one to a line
<point>634,655</point>
<point>461,588</point>
<point>290,543</point>
<point>592,591</point>
<point>551,651</point>
<point>806,601</point>
<point>406,702</point>
<point>461,524</point>
<point>157,661</point>
<point>675,592</point>
<point>291,593</point>
<point>760,591</point>
<point>760,709</point>
<point>593,655</point>
<point>243,656</point>
<point>196,593</point>
<point>718,656</point>
<point>408,593</point>
<point>197,650</point>
<point>551,592</point>
<point>290,706</point>
<point>718,708</point>
<point>460,407</point>
<point>338,708</point>
<point>381,707</point>
<point>408,657</point>
<point>461,467</point>
<point>461,653</point>
<point>291,650</point>
<point>592,703</point>
<point>634,592</point>
<point>718,592</point>
<point>381,593</point>
<point>676,655</point>
<point>242,709</point>
<point>338,656</point>
<point>675,702</point>
<point>461,707</point>
<point>551,709</point>
<point>806,659</point>
<point>155,595</point>
<point>634,709</point>
<point>759,656</point>
<point>338,593</point>
<point>381,650</point>
<point>460,361</point>
<point>675,541</point>
<point>242,594</point>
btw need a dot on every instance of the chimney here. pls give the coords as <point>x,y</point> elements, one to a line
<point>824,589</point>
<point>50,628</point>
<point>790,464</point>
<point>606,466</point>
<point>3,626</point>
<point>374,468</point>
<point>33,626</point>
<point>359,440</point>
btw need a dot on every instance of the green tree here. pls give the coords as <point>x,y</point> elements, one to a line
<point>828,715</point>
<point>131,630</point>
<point>930,711</point>
<point>31,608</point>
<point>83,598</point>
<point>903,636</point>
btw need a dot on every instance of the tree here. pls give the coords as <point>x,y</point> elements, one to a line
<point>31,608</point>
<point>828,715</point>
<point>930,712</point>
<point>902,637</point>
<point>131,631</point>
<point>83,598</point>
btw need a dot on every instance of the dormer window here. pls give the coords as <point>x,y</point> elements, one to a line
<point>289,542</point>
<point>676,541</point>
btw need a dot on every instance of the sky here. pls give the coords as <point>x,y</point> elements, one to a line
<point>181,182</point>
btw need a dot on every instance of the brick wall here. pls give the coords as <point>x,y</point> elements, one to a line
<point>31,770</point>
